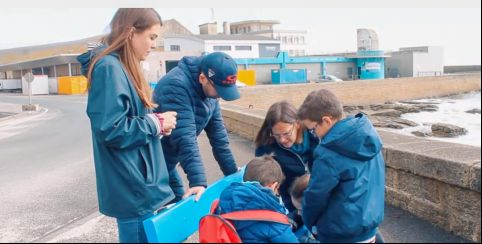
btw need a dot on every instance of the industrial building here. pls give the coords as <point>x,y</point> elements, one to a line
<point>415,62</point>
<point>264,56</point>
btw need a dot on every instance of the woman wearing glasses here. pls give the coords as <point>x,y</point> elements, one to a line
<point>289,141</point>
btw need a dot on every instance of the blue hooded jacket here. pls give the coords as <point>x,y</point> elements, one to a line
<point>180,91</point>
<point>131,174</point>
<point>252,196</point>
<point>292,163</point>
<point>345,196</point>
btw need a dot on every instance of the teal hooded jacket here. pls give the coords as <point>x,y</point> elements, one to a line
<point>346,193</point>
<point>131,174</point>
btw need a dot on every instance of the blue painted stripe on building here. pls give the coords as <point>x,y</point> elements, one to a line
<point>375,58</point>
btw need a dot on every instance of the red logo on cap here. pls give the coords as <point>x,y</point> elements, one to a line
<point>230,80</point>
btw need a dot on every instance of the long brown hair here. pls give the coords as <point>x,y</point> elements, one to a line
<point>118,41</point>
<point>282,111</point>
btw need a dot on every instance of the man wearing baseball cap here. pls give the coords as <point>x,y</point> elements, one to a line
<point>192,90</point>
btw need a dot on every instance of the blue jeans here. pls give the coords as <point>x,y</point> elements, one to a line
<point>131,230</point>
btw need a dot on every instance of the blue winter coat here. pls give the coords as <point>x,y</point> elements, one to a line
<point>293,164</point>
<point>345,196</point>
<point>180,91</point>
<point>132,177</point>
<point>252,196</point>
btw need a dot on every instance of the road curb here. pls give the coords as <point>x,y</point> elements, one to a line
<point>53,235</point>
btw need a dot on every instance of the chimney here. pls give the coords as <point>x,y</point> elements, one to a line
<point>226,28</point>
<point>208,29</point>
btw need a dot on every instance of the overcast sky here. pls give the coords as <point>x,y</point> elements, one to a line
<point>329,29</point>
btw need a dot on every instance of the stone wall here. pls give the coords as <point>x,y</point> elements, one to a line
<point>361,92</point>
<point>436,181</point>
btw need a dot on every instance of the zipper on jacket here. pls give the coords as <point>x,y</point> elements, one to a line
<point>305,166</point>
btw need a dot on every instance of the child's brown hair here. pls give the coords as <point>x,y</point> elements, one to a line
<point>265,170</point>
<point>299,186</point>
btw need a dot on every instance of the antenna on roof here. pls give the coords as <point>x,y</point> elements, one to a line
<point>212,14</point>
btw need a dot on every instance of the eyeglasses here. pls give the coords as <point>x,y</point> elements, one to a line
<point>313,130</point>
<point>284,135</point>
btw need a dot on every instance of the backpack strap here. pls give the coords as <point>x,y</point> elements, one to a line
<point>214,206</point>
<point>258,215</point>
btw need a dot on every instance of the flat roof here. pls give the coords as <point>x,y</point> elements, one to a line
<point>41,62</point>
<point>225,37</point>
<point>273,22</point>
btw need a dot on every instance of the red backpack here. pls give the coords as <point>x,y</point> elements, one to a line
<point>214,228</point>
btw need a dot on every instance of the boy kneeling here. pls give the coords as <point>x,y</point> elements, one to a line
<point>259,191</point>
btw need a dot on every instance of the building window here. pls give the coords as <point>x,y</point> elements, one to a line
<point>243,48</point>
<point>296,40</point>
<point>175,48</point>
<point>284,40</point>
<point>222,48</point>
<point>302,40</point>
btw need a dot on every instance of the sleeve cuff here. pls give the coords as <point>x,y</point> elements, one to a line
<point>156,122</point>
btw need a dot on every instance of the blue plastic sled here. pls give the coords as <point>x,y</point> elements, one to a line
<point>177,223</point>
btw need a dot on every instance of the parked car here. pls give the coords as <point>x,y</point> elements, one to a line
<point>328,78</point>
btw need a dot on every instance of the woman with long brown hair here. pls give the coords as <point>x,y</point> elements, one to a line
<point>132,179</point>
<point>283,135</point>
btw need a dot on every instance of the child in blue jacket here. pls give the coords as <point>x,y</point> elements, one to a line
<point>344,201</point>
<point>262,179</point>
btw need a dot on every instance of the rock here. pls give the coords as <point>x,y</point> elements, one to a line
<point>387,125</point>
<point>407,109</point>
<point>390,113</point>
<point>377,107</point>
<point>421,134</point>
<point>447,130</point>
<point>404,122</point>
<point>349,109</point>
<point>415,102</point>
<point>473,111</point>
<point>427,107</point>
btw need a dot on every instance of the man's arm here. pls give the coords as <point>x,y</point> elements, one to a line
<point>182,140</point>
<point>219,140</point>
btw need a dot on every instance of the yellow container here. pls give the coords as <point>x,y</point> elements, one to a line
<point>69,85</point>
<point>248,77</point>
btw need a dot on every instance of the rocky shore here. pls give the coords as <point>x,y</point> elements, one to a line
<point>388,115</point>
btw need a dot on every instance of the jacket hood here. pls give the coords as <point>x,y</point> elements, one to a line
<point>249,196</point>
<point>86,58</point>
<point>354,137</point>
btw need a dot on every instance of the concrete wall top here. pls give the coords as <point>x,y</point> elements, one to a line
<point>361,92</point>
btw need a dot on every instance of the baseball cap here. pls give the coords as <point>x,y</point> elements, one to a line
<point>222,70</point>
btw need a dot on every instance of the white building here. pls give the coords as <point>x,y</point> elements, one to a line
<point>237,46</point>
<point>415,62</point>
<point>292,41</point>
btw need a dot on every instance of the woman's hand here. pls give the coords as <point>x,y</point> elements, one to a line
<point>168,121</point>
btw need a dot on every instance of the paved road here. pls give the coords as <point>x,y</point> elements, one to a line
<point>47,180</point>
<point>46,174</point>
